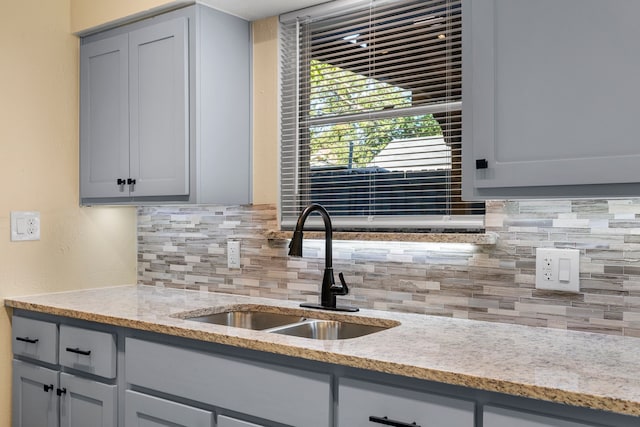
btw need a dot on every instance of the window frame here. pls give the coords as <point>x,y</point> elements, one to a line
<point>395,223</point>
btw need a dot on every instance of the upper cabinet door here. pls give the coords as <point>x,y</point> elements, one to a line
<point>104,117</point>
<point>551,98</point>
<point>159,100</point>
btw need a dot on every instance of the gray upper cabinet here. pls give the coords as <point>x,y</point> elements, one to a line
<point>104,118</point>
<point>165,110</point>
<point>550,98</point>
<point>159,91</point>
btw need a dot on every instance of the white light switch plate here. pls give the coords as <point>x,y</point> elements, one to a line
<point>558,269</point>
<point>25,225</point>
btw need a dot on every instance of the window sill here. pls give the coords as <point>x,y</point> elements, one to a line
<point>473,238</point>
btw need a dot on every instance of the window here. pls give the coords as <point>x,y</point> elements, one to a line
<point>371,115</point>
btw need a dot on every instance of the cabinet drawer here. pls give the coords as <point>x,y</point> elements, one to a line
<point>232,422</point>
<point>149,411</point>
<point>280,394</point>
<point>494,416</point>
<point>367,404</point>
<point>87,350</point>
<point>35,339</point>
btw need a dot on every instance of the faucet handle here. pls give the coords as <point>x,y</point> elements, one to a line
<point>340,290</point>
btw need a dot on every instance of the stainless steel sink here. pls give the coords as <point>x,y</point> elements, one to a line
<point>294,322</point>
<point>249,319</point>
<point>328,329</point>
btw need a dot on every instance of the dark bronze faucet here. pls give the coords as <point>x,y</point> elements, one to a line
<point>329,287</point>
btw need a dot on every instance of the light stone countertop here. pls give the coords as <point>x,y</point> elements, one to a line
<point>577,368</point>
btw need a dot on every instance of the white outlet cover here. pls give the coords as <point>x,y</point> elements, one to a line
<point>558,269</point>
<point>25,225</point>
<point>233,254</point>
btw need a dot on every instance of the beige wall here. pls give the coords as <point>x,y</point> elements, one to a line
<point>265,111</point>
<point>79,247</point>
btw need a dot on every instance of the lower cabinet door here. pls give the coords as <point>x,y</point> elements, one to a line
<point>34,396</point>
<point>224,421</point>
<point>366,404</point>
<point>142,410</point>
<point>494,416</point>
<point>85,402</point>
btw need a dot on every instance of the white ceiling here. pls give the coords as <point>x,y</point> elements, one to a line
<point>256,9</point>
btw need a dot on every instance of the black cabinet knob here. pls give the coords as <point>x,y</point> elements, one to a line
<point>482,164</point>
<point>48,387</point>
<point>61,391</point>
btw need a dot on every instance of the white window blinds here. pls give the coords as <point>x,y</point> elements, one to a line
<point>371,115</point>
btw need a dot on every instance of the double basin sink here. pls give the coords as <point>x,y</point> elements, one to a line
<point>293,322</point>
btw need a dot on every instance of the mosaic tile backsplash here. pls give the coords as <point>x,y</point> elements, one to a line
<point>185,247</point>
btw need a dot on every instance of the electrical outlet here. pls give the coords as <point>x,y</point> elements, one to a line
<point>233,253</point>
<point>558,269</point>
<point>25,225</point>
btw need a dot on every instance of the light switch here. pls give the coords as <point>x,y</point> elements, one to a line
<point>564,270</point>
<point>21,225</point>
<point>558,269</point>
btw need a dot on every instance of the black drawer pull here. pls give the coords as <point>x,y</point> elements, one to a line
<point>78,351</point>
<point>387,422</point>
<point>61,391</point>
<point>48,387</point>
<point>27,339</point>
<point>482,164</point>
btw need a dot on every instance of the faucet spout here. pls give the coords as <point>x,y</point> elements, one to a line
<point>329,288</point>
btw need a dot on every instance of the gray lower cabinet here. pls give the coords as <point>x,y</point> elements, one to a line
<point>149,411</point>
<point>494,416</point>
<point>46,397</point>
<point>85,402</point>
<point>164,381</point>
<point>44,394</point>
<point>34,339</point>
<point>363,403</point>
<point>87,350</point>
<point>276,394</point>
<point>34,395</point>
<point>165,110</point>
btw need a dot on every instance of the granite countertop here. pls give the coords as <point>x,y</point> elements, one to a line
<point>577,368</point>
